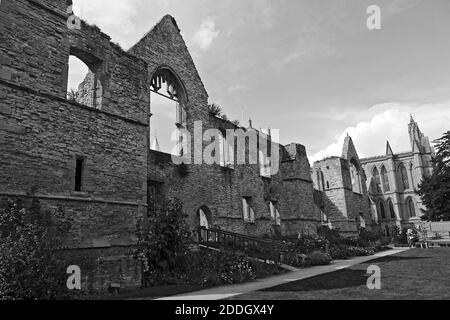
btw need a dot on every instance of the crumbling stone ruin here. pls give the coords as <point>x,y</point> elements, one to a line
<point>341,183</point>
<point>91,155</point>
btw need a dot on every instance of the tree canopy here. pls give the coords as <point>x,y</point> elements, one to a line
<point>435,189</point>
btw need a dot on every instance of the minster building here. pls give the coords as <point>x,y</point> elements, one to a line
<point>393,180</point>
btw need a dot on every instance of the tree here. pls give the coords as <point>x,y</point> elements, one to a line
<point>73,95</point>
<point>163,243</point>
<point>215,110</point>
<point>435,189</point>
<point>30,237</point>
<point>236,123</point>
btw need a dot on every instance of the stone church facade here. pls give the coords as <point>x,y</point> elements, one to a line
<point>393,180</point>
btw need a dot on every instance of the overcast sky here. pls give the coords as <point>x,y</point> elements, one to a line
<point>310,68</point>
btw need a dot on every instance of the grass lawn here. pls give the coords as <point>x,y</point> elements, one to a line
<point>414,274</point>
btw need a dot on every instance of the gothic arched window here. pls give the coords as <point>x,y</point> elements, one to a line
<point>391,209</point>
<point>404,177</point>
<point>376,175</point>
<point>381,212</point>
<point>385,179</point>
<point>168,113</point>
<point>355,176</point>
<point>411,208</point>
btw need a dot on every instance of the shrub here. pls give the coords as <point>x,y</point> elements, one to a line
<point>343,252</point>
<point>339,252</point>
<point>318,258</point>
<point>308,244</point>
<point>332,235</point>
<point>164,243</point>
<point>436,236</point>
<point>30,266</point>
<point>295,259</point>
<point>368,236</point>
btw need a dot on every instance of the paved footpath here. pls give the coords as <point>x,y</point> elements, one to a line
<point>224,292</point>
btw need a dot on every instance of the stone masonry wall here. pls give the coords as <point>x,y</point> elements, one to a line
<point>221,189</point>
<point>42,134</point>
<point>337,194</point>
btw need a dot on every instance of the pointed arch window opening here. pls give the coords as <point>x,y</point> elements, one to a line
<point>382,211</point>
<point>411,208</point>
<point>203,219</point>
<point>404,177</point>
<point>167,87</point>
<point>355,175</point>
<point>411,173</point>
<point>274,213</point>
<point>385,179</point>
<point>391,210</point>
<point>377,180</point>
<point>226,152</point>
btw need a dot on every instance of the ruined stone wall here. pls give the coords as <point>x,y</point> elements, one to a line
<point>340,205</point>
<point>221,189</point>
<point>42,133</point>
<point>300,213</point>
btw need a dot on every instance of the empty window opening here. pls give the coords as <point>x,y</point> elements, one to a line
<point>226,149</point>
<point>377,180</point>
<point>411,208</point>
<point>83,81</point>
<point>385,179</point>
<point>404,177</point>
<point>248,213</point>
<point>382,212</point>
<point>362,221</point>
<point>79,167</point>
<point>274,213</point>
<point>355,176</point>
<point>264,165</point>
<point>168,113</point>
<point>392,210</point>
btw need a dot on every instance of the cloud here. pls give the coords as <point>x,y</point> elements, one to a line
<point>77,72</point>
<point>398,6</point>
<point>389,121</point>
<point>206,34</point>
<point>114,17</point>
<point>306,52</point>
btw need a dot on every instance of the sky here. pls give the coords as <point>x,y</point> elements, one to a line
<point>310,68</point>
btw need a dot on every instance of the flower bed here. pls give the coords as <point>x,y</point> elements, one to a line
<point>210,268</point>
<point>331,243</point>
